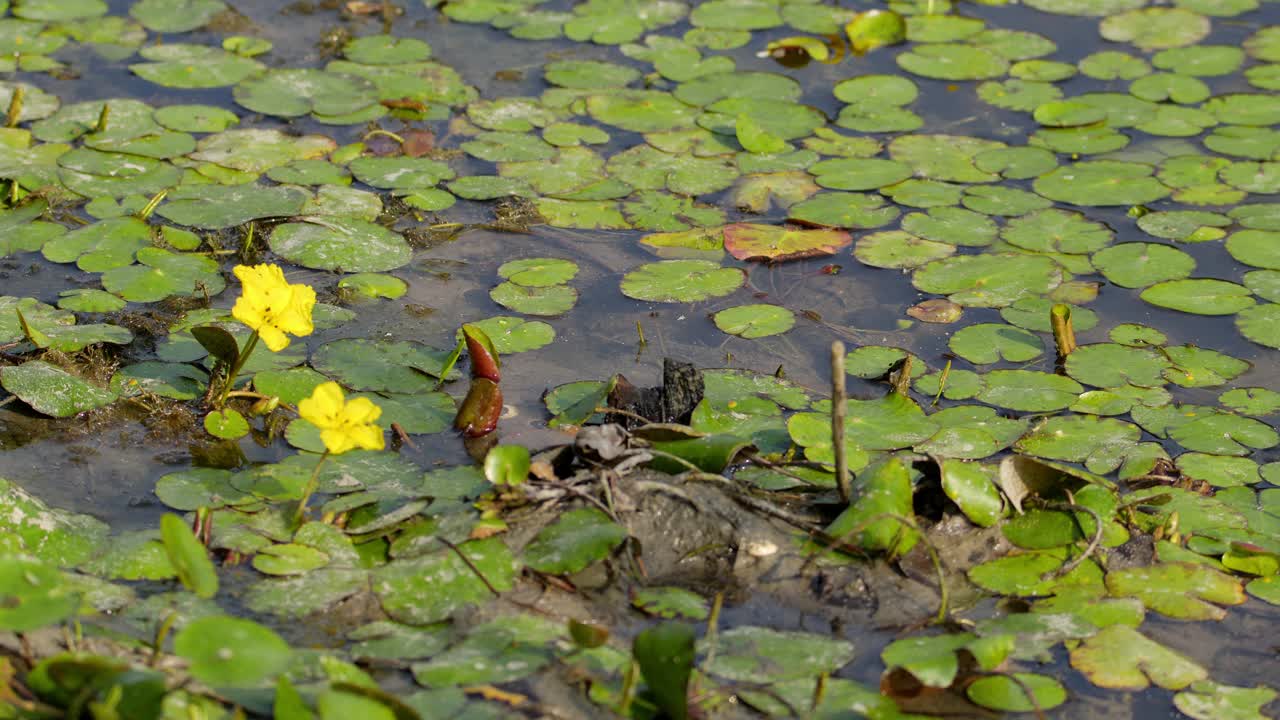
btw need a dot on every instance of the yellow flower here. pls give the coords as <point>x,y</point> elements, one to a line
<point>343,425</point>
<point>272,306</point>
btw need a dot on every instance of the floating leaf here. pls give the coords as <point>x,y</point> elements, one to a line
<point>228,652</point>
<point>760,655</point>
<point>340,243</point>
<point>579,538</point>
<point>34,594</point>
<point>431,587</point>
<point>681,281</point>
<point>1120,657</point>
<point>1200,296</point>
<point>1208,700</point>
<point>51,390</point>
<point>755,321</point>
<point>991,342</point>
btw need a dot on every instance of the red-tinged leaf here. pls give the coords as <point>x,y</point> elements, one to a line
<point>752,241</point>
<point>418,142</point>
<point>478,415</point>
<point>484,356</point>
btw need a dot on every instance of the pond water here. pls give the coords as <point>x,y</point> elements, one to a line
<point>997,161</point>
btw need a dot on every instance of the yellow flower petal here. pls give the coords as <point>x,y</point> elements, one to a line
<point>271,305</point>
<point>343,425</point>
<point>369,437</point>
<point>337,441</point>
<point>361,410</point>
<point>323,406</point>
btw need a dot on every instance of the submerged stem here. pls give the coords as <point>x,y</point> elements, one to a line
<point>312,483</point>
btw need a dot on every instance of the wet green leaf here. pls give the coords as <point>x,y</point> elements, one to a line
<point>189,558</point>
<point>1122,658</point>
<point>51,390</point>
<point>429,588</point>
<point>1003,693</point>
<point>34,595</point>
<point>990,342</point>
<point>228,652</point>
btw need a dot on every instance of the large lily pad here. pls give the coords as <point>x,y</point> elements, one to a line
<point>340,243</point>
<point>51,390</point>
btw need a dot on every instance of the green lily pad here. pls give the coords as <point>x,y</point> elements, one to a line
<point>755,321</point>
<point>58,10</point>
<point>55,536</point>
<point>681,281</point>
<point>1181,590</point>
<point>1006,694</point>
<point>641,111</point>
<point>386,50</point>
<point>289,559</point>
<point>297,92</point>
<point>34,594</point>
<point>988,280</point>
<point>670,602</point>
<point>844,210</point>
<point>1136,265</point>
<point>217,206</point>
<point>761,655</point>
<point>52,391</point>
<point>1200,296</point>
<point>1094,441</point>
<point>1261,324</point>
<point>579,538</point>
<point>381,366</point>
<point>991,342</point>
<point>1028,390</point>
<point>229,652</point>
<point>374,285</point>
<point>429,588</point>
<point>227,424</point>
<point>496,652</point>
<point>899,249</point>
<point>513,335</point>
<point>953,61</point>
<point>338,243</point>
<point>545,301</point>
<point>1114,65</point>
<point>971,487</point>
<point>1208,700</point>
<point>1101,183</point>
<point>1120,657</point>
<point>1155,28</point>
<point>175,16</point>
<point>172,380</point>
<point>194,66</point>
<point>538,272</point>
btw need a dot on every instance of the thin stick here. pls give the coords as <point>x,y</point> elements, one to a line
<point>1094,542</point>
<point>1064,335</point>
<point>463,557</point>
<point>838,410</point>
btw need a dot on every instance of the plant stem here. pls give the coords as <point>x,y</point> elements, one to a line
<point>311,488</point>
<point>236,367</point>
<point>838,410</point>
